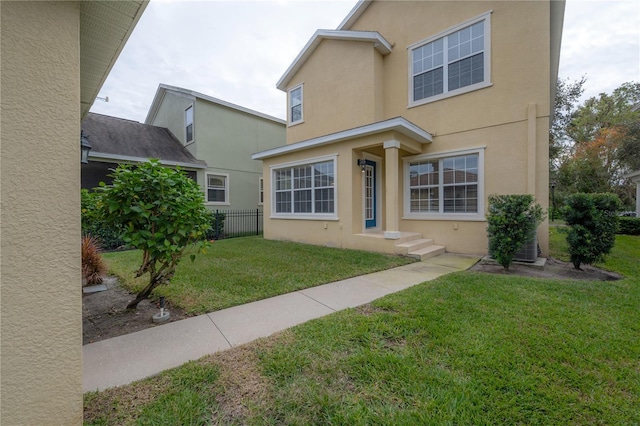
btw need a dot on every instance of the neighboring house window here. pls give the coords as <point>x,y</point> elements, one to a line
<point>304,189</point>
<point>188,124</point>
<point>217,188</point>
<point>260,191</point>
<point>453,62</point>
<point>449,185</point>
<point>295,105</point>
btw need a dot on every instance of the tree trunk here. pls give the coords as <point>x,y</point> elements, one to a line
<point>143,294</point>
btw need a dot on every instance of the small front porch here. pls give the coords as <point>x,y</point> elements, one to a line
<point>410,244</point>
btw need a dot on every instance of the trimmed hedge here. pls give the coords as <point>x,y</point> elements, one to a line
<point>592,221</point>
<point>628,225</point>
<point>511,221</point>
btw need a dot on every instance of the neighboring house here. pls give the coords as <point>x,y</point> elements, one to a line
<point>116,140</point>
<point>403,120</point>
<point>55,58</point>
<point>635,178</point>
<point>224,135</point>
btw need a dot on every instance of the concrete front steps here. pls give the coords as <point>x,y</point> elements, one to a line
<point>421,248</point>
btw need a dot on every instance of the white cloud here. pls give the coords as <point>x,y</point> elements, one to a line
<point>237,50</point>
<point>601,39</point>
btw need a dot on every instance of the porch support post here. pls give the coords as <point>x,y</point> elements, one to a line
<point>392,185</point>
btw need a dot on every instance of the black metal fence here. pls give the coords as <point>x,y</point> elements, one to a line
<point>235,223</point>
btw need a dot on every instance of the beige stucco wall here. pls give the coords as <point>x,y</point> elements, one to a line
<point>339,89</point>
<point>40,308</point>
<point>509,119</point>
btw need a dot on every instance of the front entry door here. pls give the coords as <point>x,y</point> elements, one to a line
<point>370,190</point>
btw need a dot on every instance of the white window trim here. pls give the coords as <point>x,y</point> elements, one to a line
<point>471,217</point>
<point>193,125</point>
<point>226,189</point>
<point>306,216</point>
<point>260,191</point>
<point>290,121</point>
<point>487,61</point>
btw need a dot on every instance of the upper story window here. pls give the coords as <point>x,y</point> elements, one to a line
<point>295,105</point>
<point>452,62</point>
<point>188,124</point>
<point>305,189</point>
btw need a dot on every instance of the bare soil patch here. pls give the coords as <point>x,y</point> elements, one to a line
<point>104,314</point>
<point>554,269</point>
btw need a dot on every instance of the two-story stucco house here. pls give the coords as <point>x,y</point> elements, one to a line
<point>403,120</point>
<point>223,135</point>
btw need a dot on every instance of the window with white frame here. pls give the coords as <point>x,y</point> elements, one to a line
<point>446,185</point>
<point>295,105</point>
<point>304,189</point>
<point>455,61</point>
<point>188,124</point>
<point>260,191</point>
<point>217,188</point>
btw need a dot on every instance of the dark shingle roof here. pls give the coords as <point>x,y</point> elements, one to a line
<point>114,138</point>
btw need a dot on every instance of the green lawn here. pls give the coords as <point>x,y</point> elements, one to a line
<point>242,270</point>
<point>467,348</point>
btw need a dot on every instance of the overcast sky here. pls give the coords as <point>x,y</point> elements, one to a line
<point>238,50</point>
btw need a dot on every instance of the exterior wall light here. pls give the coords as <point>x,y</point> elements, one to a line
<point>362,163</point>
<point>85,147</point>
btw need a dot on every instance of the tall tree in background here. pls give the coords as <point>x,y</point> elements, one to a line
<point>599,141</point>
<point>565,106</point>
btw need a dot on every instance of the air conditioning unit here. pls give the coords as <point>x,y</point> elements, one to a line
<point>529,251</point>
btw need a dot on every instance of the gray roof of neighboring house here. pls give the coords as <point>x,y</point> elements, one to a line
<point>118,139</point>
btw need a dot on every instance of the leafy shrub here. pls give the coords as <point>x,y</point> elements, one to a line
<point>512,220</point>
<point>93,223</point>
<point>160,211</point>
<point>629,225</point>
<point>93,266</point>
<point>216,220</point>
<point>592,221</point>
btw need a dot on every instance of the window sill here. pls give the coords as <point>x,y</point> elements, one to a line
<point>458,217</point>
<point>213,203</point>
<point>295,124</point>
<point>305,217</point>
<point>462,91</point>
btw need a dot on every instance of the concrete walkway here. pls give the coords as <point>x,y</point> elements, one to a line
<point>124,359</point>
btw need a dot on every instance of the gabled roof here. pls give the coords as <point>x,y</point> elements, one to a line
<point>117,139</point>
<point>164,88</point>
<point>379,43</point>
<point>398,124</point>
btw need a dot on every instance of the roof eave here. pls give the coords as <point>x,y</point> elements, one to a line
<point>120,158</point>
<point>163,88</point>
<point>91,86</point>
<point>397,124</point>
<point>355,13</point>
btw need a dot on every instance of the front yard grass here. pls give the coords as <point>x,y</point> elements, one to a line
<point>467,348</point>
<point>242,270</point>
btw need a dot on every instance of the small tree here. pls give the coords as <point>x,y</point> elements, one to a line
<point>161,212</point>
<point>592,221</point>
<point>512,220</point>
